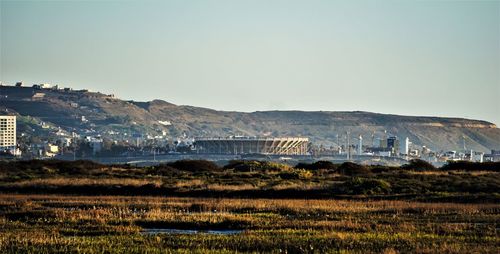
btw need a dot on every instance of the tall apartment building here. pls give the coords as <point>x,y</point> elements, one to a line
<point>7,133</point>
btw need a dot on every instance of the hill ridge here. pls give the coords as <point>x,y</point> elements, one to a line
<point>105,113</point>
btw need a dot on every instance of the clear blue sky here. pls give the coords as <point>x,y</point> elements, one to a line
<point>438,58</point>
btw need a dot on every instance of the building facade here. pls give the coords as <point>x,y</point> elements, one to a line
<point>7,133</point>
<point>253,145</point>
<point>405,147</point>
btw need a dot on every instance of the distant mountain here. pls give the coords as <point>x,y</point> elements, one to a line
<point>107,115</point>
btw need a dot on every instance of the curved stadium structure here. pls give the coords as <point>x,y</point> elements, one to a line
<point>252,145</point>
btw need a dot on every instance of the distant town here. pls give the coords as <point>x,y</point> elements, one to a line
<point>136,146</point>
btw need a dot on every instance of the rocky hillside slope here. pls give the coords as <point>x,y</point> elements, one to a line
<point>105,114</point>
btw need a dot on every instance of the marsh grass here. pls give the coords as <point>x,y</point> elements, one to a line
<point>311,208</point>
<point>88,224</point>
<point>255,179</point>
<point>63,181</point>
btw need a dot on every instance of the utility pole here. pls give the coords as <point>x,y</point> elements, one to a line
<point>348,146</point>
<point>463,139</point>
<point>74,145</point>
<point>373,139</point>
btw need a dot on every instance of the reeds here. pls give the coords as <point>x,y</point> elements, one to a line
<point>57,223</point>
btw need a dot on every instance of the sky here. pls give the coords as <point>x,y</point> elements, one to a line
<point>430,58</point>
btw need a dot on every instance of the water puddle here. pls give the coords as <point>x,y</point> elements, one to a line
<point>154,231</point>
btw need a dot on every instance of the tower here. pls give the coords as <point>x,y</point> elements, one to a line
<point>360,145</point>
<point>8,133</point>
<point>348,145</point>
<point>405,147</point>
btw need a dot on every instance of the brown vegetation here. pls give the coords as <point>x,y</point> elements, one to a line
<point>86,224</point>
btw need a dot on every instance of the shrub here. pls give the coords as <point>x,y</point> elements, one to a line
<point>52,166</point>
<point>288,175</point>
<point>357,185</point>
<point>353,169</point>
<point>194,165</point>
<point>305,174</point>
<point>244,166</point>
<point>419,165</point>
<point>317,165</point>
<point>472,166</point>
<point>274,166</point>
<point>248,166</point>
<point>296,174</point>
<point>162,169</point>
<point>380,169</point>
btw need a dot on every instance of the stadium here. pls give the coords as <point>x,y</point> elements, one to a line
<point>252,145</point>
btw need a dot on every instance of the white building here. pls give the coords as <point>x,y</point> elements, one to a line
<point>360,145</point>
<point>96,144</point>
<point>51,150</point>
<point>8,133</point>
<point>405,147</point>
<point>46,85</point>
<point>477,157</point>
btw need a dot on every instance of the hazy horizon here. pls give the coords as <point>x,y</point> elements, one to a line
<point>405,58</point>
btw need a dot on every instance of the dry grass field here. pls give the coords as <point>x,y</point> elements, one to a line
<point>90,224</point>
<point>248,207</point>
